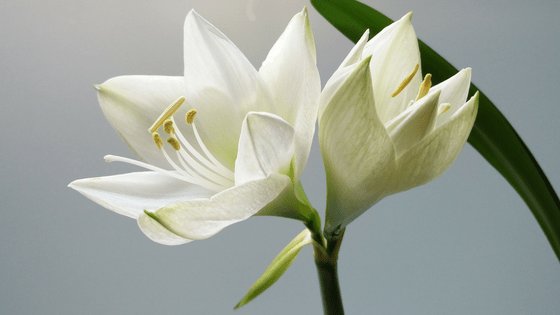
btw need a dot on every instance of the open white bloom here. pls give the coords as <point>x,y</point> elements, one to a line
<point>238,139</point>
<point>382,129</point>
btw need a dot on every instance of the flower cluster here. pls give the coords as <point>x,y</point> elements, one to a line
<point>237,139</point>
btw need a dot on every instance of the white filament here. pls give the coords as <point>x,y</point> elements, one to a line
<point>209,173</point>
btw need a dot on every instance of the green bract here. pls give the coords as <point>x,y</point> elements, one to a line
<point>382,129</point>
<point>244,153</point>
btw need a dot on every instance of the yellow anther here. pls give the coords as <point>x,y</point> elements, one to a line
<point>168,112</point>
<point>425,86</point>
<point>168,126</point>
<point>190,116</point>
<point>406,81</point>
<point>157,140</point>
<point>443,108</point>
<point>174,143</point>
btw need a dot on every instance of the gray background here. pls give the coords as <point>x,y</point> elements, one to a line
<point>463,244</point>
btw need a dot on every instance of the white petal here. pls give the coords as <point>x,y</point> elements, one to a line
<point>130,194</point>
<point>357,53</point>
<point>291,74</point>
<point>454,91</point>
<point>157,233</point>
<point>333,85</point>
<point>343,71</point>
<point>419,121</point>
<point>223,86</point>
<point>432,156</point>
<point>132,103</point>
<point>354,146</point>
<point>200,219</point>
<point>266,147</point>
<point>395,53</point>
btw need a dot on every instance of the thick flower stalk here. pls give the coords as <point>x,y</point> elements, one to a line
<point>382,128</point>
<point>221,144</point>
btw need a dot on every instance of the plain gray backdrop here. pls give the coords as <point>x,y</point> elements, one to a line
<point>463,244</point>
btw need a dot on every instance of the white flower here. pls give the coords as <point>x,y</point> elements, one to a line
<point>242,154</point>
<point>382,129</point>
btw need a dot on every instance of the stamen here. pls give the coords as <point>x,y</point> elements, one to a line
<point>174,143</point>
<point>190,116</point>
<point>168,112</point>
<point>209,155</point>
<point>204,176</point>
<point>206,172</point>
<point>190,178</point>
<point>168,126</point>
<point>211,173</point>
<point>443,108</point>
<point>186,176</point>
<point>189,169</point>
<point>425,86</point>
<point>210,162</point>
<point>157,140</point>
<point>114,158</point>
<point>185,165</point>
<point>406,81</point>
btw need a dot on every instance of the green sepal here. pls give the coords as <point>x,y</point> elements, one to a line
<point>492,135</point>
<point>305,207</point>
<point>277,268</point>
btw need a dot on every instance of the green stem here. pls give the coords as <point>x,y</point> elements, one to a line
<point>330,289</point>
<point>326,262</point>
<point>314,226</point>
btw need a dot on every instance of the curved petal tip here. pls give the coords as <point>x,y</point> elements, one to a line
<point>408,16</point>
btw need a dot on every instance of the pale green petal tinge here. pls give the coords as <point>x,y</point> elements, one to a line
<point>158,233</point>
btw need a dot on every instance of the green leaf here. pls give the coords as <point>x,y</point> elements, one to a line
<point>277,268</point>
<point>492,135</point>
